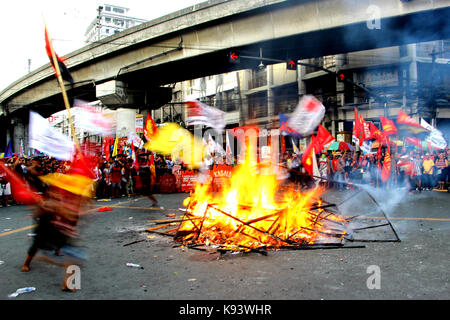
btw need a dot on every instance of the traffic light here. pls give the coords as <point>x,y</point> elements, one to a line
<point>340,77</point>
<point>234,57</point>
<point>291,64</point>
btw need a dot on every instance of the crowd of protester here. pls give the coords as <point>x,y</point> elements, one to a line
<point>121,176</point>
<point>421,171</point>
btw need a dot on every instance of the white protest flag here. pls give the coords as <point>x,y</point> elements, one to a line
<point>200,113</point>
<point>135,140</point>
<point>316,171</point>
<point>366,147</point>
<point>48,140</point>
<point>93,121</point>
<point>213,146</point>
<point>307,115</point>
<point>435,137</point>
<point>294,146</point>
<point>228,146</point>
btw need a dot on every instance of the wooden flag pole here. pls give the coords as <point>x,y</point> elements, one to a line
<point>63,91</point>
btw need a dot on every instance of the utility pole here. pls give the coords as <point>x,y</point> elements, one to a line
<point>99,22</point>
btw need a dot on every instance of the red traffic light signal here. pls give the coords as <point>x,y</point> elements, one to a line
<point>340,77</point>
<point>291,64</point>
<point>234,57</point>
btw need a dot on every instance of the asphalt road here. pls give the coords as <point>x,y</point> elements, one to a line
<point>415,268</point>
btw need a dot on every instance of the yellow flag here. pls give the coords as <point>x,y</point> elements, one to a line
<point>74,183</point>
<point>179,143</point>
<point>116,143</point>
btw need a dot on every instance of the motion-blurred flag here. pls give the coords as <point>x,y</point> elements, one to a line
<point>179,143</point>
<point>21,191</point>
<point>46,139</point>
<point>91,120</point>
<point>134,139</point>
<point>307,115</point>
<point>389,127</point>
<point>435,138</point>
<point>407,126</point>
<point>65,74</point>
<point>79,179</point>
<point>200,113</point>
<point>284,129</point>
<point>150,127</point>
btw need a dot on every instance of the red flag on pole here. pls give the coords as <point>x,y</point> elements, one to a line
<point>65,74</point>
<point>150,128</point>
<point>307,157</point>
<point>323,137</point>
<point>21,191</point>
<point>388,126</point>
<point>358,128</point>
<point>376,133</point>
<point>386,171</point>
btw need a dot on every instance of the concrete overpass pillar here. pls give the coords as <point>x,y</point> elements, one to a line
<point>412,80</point>
<point>300,75</point>
<point>340,97</point>
<point>270,96</point>
<point>243,81</point>
<point>20,133</point>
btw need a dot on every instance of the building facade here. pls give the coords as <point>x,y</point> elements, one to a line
<point>414,78</point>
<point>110,20</point>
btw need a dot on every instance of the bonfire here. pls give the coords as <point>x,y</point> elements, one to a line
<point>254,210</point>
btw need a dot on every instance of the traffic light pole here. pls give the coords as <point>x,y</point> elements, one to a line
<point>382,99</point>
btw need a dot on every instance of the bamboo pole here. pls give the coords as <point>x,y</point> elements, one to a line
<point>63,91</point>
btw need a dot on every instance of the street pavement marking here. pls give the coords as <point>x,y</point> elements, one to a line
<point>119,205</point>
<point>143,208</point>
<point>17,230</point>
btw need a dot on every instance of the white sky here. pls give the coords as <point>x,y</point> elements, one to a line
<point>21,22</point>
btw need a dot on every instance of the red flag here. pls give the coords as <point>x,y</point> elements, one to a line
<point>414,141</point>
<point>65,74</point>
<point>386,172</point>
<point>366,129</point>
<point>152,169</point>
<point>283,145</point>
<point>134,157</point>
<point>307,157</point>
<point>107,148</point>
<point>408,126</point>
<point>376,133</point>
<point>323,137</point>
<point>358,128</point>
<point>150,128</point>
<point>388,126</point>
<point>20,189</point>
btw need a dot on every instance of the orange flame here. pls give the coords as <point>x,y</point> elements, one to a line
<point>253,210</point>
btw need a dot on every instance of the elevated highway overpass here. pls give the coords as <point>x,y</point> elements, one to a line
<point>136,63</point>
